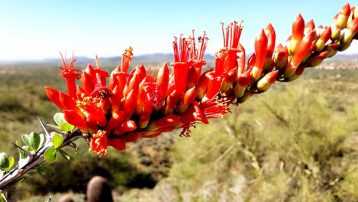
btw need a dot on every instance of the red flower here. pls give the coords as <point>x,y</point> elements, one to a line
<point>141,105</point>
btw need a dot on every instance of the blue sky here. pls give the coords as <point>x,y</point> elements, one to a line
<point>41,29</point>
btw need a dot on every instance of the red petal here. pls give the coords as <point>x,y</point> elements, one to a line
<point>189,96</point>
<point>54,96</point>
<point>180,77</point>
<point>260,49</point>
<point>117,143</point>
<point>165,122</point>
<point>302,49</point>
<point>116,119</point>
<point>75,119</point>
<point>298,27</point>
<point>271,37</point>
<point>126,126</point>
<point>162,80</point>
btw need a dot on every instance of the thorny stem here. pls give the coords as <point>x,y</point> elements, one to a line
<point>31,162</point>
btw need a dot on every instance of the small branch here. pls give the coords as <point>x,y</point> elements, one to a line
<point>33,160</point>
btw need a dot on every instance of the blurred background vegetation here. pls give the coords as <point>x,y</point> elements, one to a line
<point>296,142</point>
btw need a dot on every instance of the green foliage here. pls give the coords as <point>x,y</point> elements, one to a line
<point>50,155</point>
<point>57,139</point>
<point>4,160</point>
<point>62,123</point>
<point>33,140</point>
<point>64,154</point>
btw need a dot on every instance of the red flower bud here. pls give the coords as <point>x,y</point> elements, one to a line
<point>323,38</point>
<point>162,80</point>
<point>214,83</point>
<point>116,119</point>
<point>265,82</point>
<point>165,122</point>
<point>302,50</point>
<point>317,59</point>
<point>125,127</point>
<point>281,57</point>
<point>260,55</point>
<point>342,17</point>
<point>271,38</point>
<point>117,143</point>
<point>298,27</point>
<point>180,77</point>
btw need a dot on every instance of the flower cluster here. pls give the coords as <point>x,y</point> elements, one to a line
<point>128,106</point>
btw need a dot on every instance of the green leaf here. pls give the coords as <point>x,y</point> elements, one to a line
<point>4,160</point>
<point>3,196</point>
<point>57,140</point>
<point>33,140</point>
<point>65,154</point>
<point>11,163</point>
<point>50,155</point>
<point>42,140</point>
<point>67,127</point>
<point>59,119</point>
<point>21,153</point>
<point>41,169</point>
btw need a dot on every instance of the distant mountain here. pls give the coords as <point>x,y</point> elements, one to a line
<point>150,59</point>
<point>345,57</point>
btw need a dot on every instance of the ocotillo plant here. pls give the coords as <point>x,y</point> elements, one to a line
<point>138,104</point>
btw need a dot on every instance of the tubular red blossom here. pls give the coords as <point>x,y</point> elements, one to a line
<point>226,64</point>
<point>117,143</point>
<point>162,81</point>
<point>180,77</point>
<point>271,38</point>
<point>189,96</point>
<point>117,118</point>
<point>323,38</point>
<point>99,143</point>
<point>126,126</point>
<point>193,77</point>
<point>87,83</point>
<point>130,103</point>
<point>260,55</point>
<point>70,73</point>
<point>298,27</point>
<point>54,96</point>
<point>171,102</point>
<point>281,57</point>
<point>241,60</point>
<point>309,27</point>
<point>267,81</point>
<point>302,50</point>
<point>214,81</point>
<point>165,122</point>
<point>203,84</point>
<point>317,59</point>
<point>126,59</point>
